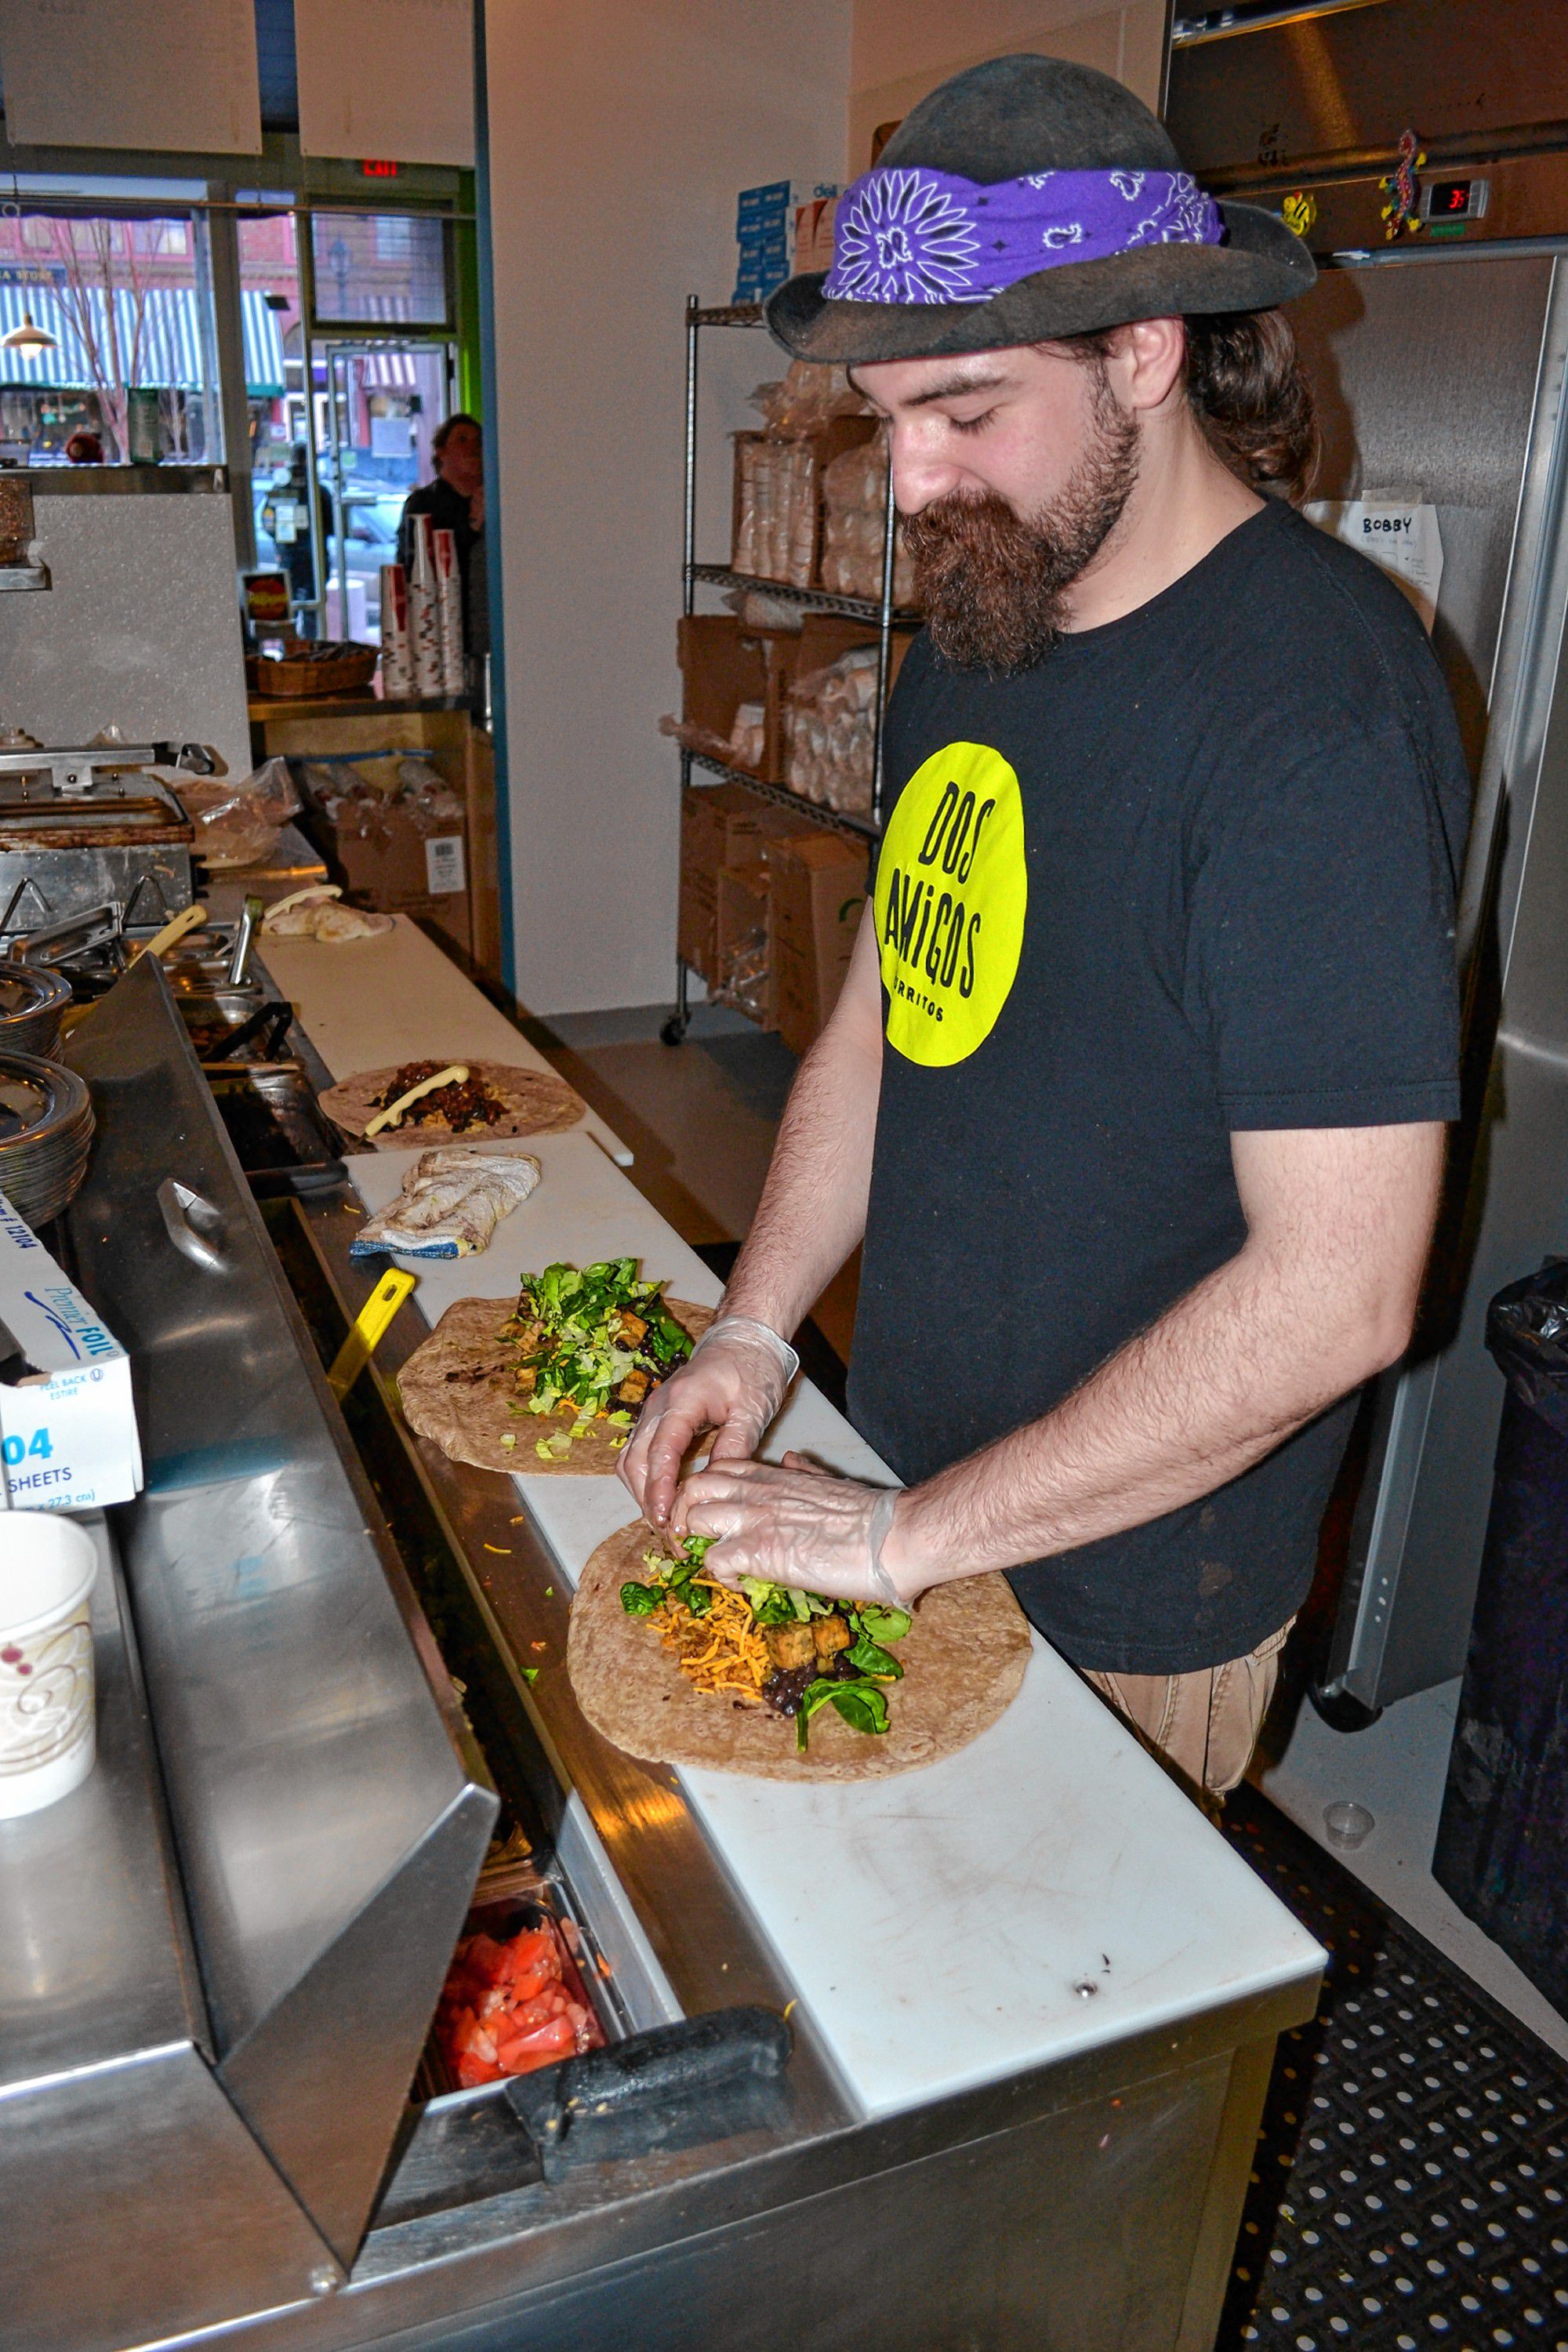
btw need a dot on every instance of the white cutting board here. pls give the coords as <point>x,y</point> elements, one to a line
<point>940,1926</point>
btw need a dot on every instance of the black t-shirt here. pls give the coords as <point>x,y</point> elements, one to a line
<point>1193,872</point>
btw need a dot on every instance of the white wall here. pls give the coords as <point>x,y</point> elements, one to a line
<point>140,629</point>
<point>619,132</point>
<point>900,50</point>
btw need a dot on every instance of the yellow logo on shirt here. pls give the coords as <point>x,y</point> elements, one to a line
<point>951,891</point>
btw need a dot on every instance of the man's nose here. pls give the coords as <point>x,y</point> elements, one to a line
<point>920,474</point>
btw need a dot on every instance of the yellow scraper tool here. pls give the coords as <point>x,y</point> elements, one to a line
<point>366,1335</point>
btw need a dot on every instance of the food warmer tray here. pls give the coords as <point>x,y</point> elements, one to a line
<point>209,2053</point>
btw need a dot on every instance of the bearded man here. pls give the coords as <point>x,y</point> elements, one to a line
<point>1136,1090</point>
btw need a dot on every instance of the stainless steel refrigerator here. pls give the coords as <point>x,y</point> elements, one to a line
<point>1438,356</point>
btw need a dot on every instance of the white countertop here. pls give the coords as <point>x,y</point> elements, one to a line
<point>368,1004</point>
<point>1047,1890</point>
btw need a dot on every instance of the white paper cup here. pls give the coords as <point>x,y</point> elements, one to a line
<point>47,1715</point>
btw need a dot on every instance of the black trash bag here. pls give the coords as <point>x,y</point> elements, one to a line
<point>1502,1840</point>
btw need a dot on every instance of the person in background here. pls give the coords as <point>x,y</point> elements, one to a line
<point>454,501</point>
<point>84,448</point>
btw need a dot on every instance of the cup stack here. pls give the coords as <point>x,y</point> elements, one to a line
<point>396,646</point>
<point>48,1714</point>
<point>424,610</point>
<point>450,606</point>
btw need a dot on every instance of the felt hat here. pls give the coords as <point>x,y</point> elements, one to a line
<point>1019,121</point>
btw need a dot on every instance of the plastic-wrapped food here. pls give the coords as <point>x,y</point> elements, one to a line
<point>236,820</point>
<point>755,609</point>
<point>748,736</point>
<point>854,526</point>
<point>369,786</point>
<point>745,984</point>
<point>829,730</point>
<point>775,519</point>
<point>806,396</point>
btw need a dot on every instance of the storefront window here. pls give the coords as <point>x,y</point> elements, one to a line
<point>340,423</point>
<point>94,312</point>
<point>379,270</point>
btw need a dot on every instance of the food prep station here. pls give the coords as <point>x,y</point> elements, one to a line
<point>1029,1997</point>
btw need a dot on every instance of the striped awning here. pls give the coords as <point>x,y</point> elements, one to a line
<point>170,340</point>
<point>263,345</point>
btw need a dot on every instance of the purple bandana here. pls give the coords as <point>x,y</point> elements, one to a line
<point>918,236</point>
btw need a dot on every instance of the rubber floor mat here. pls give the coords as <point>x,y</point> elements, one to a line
<point>1410,2187</point>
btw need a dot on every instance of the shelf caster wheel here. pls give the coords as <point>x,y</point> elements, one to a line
<point>1341,1711</point>
<point>674,1031</point>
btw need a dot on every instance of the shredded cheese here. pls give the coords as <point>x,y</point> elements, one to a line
<point>723,1650</point>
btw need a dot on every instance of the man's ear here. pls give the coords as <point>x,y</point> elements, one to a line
<point>1147,363</point>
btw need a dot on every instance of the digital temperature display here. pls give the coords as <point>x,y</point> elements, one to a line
<point>1454,200</point>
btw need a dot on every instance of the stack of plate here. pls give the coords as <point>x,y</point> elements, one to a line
<point>45,1135</point>
<point>32,1001</point>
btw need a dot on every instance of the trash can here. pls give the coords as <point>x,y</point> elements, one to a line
<point>1502,1840</point>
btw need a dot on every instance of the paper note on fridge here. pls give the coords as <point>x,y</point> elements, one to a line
<point>67,1425</point>
<point>1401,537</point>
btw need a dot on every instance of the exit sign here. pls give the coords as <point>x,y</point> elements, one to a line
<point>379,171</point>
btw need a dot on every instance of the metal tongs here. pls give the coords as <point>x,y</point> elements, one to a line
<point>243,933</point>
<point>76,936</point>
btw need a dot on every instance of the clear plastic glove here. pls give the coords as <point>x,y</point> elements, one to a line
<point>795,1525</point>
<point>733,1383</point>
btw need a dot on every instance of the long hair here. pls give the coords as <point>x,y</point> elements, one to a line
<point>1251,395</point>
<point>1248,392</point>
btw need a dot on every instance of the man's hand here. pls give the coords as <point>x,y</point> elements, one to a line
<point>733,1382</point>
<point>798,1525</point>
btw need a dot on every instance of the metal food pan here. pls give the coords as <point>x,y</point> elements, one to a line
<point>279,1137</point>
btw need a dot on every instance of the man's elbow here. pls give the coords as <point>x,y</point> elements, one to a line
<point>1378,1338</point>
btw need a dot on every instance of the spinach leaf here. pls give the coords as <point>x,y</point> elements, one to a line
<point>872,1659</point>
<point>640,1600</point>
<point>862,1705</point>
<point>885,1624</point>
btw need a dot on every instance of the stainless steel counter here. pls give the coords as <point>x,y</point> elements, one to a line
<point>206,2075</point>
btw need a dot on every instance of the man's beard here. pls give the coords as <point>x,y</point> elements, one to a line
<point>993,587</point>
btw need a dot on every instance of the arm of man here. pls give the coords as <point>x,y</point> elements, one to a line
<point>811,1214</point>
<point>1321,1296</point>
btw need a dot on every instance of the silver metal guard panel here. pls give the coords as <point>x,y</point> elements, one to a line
<point>327,1832</point>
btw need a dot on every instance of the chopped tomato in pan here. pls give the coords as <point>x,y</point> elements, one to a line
<point>510,2006</point>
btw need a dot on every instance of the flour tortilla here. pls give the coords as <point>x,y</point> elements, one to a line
<point>538,1103</point>
<point>964,1660</point>
<point>458,1385</point>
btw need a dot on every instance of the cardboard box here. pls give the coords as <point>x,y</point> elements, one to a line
<point>721,826</point>
<point>67,1417</point>
<point>814,234</point>
<point>396,861</point>
<point>816,898</point>
<point>722,667</point>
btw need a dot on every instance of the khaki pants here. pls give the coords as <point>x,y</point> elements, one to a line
<point>1203,1726</point>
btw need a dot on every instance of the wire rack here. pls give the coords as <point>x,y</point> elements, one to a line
<point>880,612</point>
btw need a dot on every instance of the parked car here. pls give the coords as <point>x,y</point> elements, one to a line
<point>372,536</point>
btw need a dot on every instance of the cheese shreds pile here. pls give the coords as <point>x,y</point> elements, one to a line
<point>722,1650</point>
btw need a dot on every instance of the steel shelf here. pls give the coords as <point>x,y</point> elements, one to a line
<point>726,314</point>
<point>878,613</point>
<point>813,600</point>
<point>859,827</point>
